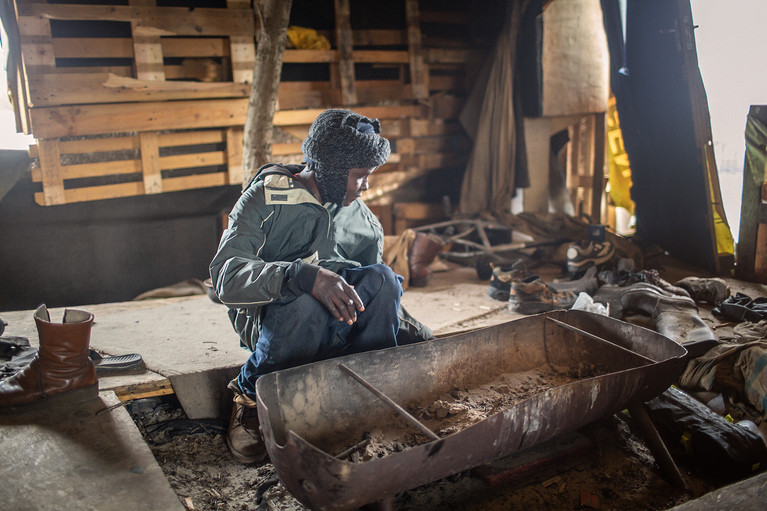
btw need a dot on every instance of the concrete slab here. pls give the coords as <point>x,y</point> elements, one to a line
<point>75,458</point>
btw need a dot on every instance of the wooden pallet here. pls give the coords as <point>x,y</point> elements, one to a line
<point>138,99</point>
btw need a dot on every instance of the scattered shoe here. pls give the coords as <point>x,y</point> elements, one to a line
<point>425,248</point>
<point>532,295</point>
<point>710,290</point>
<point>587,284</point>
<point>500,280</point>
<point>581,257</point>
<point>244,435</point>
<point>60,372</point>
<point>675,316</point>
<point>740,307</point>
<point>651,277</point>
<point>132,363</point>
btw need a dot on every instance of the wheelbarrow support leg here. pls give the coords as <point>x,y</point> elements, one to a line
<point>666,463</point>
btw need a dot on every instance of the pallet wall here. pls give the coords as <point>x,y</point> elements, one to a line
<point>131,97</point>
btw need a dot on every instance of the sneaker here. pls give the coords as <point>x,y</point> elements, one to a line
<point>581,257</point>
<point>500,280</point>
<point>532,295</point>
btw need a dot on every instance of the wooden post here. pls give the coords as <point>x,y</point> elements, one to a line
<point>419,73</point>
<point>147,50</point>
<point>52,177</point>
<point>345,55</point>
<point>597,183</point>
<point>234,155</point>
<point>272,17</point>
<point>150,162</point>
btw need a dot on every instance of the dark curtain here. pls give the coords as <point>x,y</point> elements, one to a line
<point>650,80</point>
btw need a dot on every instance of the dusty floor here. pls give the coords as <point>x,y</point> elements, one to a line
<point>614,471</point>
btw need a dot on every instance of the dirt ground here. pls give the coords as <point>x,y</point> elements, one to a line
<point>614,471</point>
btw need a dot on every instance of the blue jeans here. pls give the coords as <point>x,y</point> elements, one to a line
<point>296,331</point>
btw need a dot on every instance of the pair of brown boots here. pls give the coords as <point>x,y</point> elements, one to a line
<point>61,372</point>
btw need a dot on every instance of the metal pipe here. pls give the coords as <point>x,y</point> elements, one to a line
<point>383,397</point>
<point>600,339</point>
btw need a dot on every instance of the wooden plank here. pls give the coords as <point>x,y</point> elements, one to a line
<point>191,138</point>
<point>122,47</point>
<point>379,37</point>
<point>37,50</point>
<point>99,192</point>
<point>95,145</point>
<point>186,161</point>
<point>457,56</point>
<point>236,173</point>
<point>64,121</point>
<point>100,169</point>
<point>75,89</point>
<point>159,21</point>
<point>243,51</point>
<point>137,188</point>
<point>345,56</point>
<point>150,162</point>
<point>176,184</point>
<point>52,178</point>
<point>93,48</point>
<point>419,73</point>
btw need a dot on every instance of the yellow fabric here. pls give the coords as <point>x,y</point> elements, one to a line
<point>307,39</point>
<point>618,161</point>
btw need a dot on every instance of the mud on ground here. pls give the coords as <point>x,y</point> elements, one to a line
<point>617,472</point>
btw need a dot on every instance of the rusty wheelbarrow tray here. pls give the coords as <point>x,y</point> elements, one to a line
<point>308,409</point>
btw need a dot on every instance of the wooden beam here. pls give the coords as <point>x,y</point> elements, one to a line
<point>159,21</point>
<point>65,121</point>
<point>345,54</point>
<point>598,174</point>
<point>150,162</point>
<point>50,163</point>
<point>234,155</point>
<point>243,51</point>
<point>419,73</point>
<point>56,89</point>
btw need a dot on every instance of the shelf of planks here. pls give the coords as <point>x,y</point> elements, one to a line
<point>136,99</point>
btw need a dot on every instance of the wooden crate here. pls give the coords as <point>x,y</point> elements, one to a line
<point>111,92</point>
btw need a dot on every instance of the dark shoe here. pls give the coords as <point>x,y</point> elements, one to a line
<point>740,307</point>
<point>651,277</point>
<point>676,317</point>
<point>244,435</point>
<point>532,295</point>
<point>61,372</point>
<point>501,279</point>
<point>587,284</point>
<point>425,248</point>
<point>132,363</point>
<point>710,290</point>
<point>581,257</point>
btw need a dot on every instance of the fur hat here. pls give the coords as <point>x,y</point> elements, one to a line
<point>340,140</point>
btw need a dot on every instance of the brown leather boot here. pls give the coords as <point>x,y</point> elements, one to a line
<point>244,435</point>
<point>425,248</point>
<point>61,372</point>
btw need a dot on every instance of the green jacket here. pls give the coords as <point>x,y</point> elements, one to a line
<point>278,237</point>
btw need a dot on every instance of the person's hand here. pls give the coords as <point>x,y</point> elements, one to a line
<point>331,290</point>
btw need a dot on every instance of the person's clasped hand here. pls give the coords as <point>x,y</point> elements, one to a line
<point>340,298</point>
